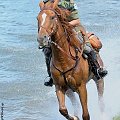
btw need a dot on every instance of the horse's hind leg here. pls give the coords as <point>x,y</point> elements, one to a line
<point>61,99</point>
<point>83,99</point>
<point>100,89</point>
<point>100,86</point>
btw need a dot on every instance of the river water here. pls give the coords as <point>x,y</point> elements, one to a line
<point>22,66</point>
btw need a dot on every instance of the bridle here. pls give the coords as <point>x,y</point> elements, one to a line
<point>54,30</point>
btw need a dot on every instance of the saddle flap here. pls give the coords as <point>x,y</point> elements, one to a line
<point>94,40</point>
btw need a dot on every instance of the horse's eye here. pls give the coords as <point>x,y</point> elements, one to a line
<point>52,17</point>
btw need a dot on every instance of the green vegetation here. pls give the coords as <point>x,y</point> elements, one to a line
<point>116,118</point>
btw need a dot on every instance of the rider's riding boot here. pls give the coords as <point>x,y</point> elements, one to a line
<point>47,53</point>
<point>50,82</point>
<point>98,72</point>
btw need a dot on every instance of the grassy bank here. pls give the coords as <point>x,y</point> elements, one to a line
<point>116,117</point>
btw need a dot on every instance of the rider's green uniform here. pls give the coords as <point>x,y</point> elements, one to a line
<point>71,7</point>
<point>73,16</point>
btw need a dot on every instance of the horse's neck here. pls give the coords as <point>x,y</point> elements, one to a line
<point>61,40</point>
<point>61,47</point>
<point>63,51</point>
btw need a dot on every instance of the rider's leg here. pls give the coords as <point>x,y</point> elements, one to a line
<point>96,68</point>
<point>50,82</point>
<point>47,52</point>
<point>74,20</point>
<point>88,49</point>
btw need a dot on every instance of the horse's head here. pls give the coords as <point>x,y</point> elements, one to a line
<point>49,20</point>
<point>46,25</point>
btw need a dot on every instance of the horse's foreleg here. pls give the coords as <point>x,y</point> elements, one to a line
<point>61,99</point>
<point>82,91</point>
<point>100,89</point>
<point>74,101</point>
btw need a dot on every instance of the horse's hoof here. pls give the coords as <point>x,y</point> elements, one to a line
<point>76,118</point>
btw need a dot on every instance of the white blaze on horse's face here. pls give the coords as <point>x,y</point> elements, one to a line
<point>43,19</point>
<point>46,26</point>
<point>43,39</point>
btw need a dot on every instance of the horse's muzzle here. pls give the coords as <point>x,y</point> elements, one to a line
<point>43,41</point>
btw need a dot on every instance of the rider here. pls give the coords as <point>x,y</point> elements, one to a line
<point>74,21</point>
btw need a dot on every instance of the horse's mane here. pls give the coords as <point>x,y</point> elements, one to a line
<point>62,15</point>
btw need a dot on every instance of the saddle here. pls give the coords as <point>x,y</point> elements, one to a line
<point>94,41</point>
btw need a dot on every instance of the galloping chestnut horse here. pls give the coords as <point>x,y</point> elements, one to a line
<point>69,69</point>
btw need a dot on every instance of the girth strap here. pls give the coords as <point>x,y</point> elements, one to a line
<point>63,73</point>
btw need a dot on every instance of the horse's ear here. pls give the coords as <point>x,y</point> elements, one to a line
<point>41,5</point>
<point>55,4</point>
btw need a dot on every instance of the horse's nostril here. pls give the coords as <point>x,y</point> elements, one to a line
<point>49,38</point>
<point>45,36</point>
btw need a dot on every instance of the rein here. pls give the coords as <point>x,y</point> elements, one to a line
<point>65,33</point>
<point>70,56</point>
<point>76,58</point>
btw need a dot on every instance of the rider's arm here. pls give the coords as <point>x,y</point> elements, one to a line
<point>77,23</point>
